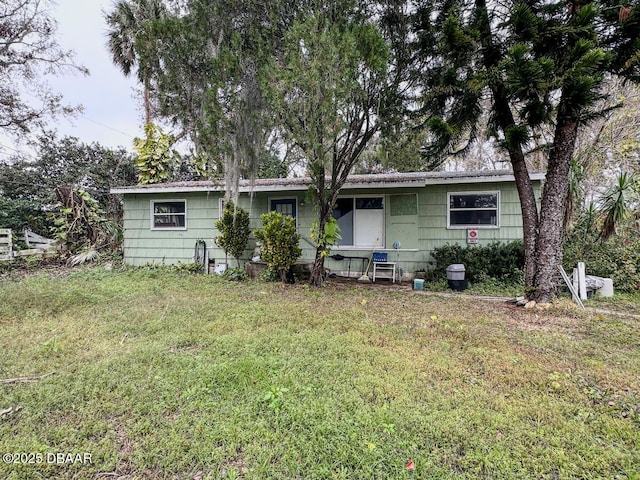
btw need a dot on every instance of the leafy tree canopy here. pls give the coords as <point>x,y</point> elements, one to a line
<point>67,161</point>
<point>200,63</point>
<point>332,89</point>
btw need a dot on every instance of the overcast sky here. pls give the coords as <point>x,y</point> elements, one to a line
<point>111,114</point>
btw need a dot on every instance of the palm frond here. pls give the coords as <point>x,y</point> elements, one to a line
<point>83,257</point>
<point>617,204</point>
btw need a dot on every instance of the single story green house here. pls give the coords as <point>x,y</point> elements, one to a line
<point>406,215</point>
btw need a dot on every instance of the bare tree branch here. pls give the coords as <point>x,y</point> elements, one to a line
<point>29,53</point>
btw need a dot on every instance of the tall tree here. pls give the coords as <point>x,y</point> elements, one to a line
<point>210,58</point>
<point>132,43</point>
<point>29,52</point>
<point>206,81</point>
<point>325,78</point>
<point>541,63</point>
<point>333,88</point>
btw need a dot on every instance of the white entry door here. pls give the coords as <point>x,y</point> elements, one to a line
<point>369,222</point>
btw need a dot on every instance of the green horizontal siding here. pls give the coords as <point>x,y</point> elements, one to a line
<point>417,233</point>
<point>143,245</point>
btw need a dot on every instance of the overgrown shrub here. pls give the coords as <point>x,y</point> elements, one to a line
<point>500,261</point>
<point>20,214</point>
<point>191,267</point>
<point>616,258</point>
<point>268,275</point>
<point>234,274</point>
<point>80,225</point>
<point>234,231</point>
<point>155,156</point>
<point>280,249</point>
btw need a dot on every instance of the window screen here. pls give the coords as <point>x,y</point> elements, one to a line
<point>473,209</point>
<point>170,214</point>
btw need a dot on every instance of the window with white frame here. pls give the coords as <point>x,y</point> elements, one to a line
<point>361,221</point>
<point>168,214</point>
<point>473,209</point>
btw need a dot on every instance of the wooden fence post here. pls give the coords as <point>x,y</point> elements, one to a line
<point>6,244</point>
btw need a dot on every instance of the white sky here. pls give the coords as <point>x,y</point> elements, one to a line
<point>106,94</point>
<point>112,115</point>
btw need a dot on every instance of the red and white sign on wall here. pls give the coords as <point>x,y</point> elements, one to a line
<point>472,235</point>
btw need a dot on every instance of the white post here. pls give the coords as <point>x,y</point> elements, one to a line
<point>607,290</point>
<point>576,281</point>
<point>582,281</point>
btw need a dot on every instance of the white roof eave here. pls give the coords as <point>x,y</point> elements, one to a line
<point>300,187</point>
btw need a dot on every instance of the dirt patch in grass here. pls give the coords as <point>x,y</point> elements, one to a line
<point>125,450</point>
<point>553,319</point>
<point>237,465</point>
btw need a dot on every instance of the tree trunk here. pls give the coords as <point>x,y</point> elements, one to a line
<point>504,117</point>
<point>527,197</point>
<point>147,101</point>
<point>317,273</point>
<point>542,234</point>
<point>529,210</point>
<point>549,246</point>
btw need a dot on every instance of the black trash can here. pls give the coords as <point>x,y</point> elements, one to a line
<point>456,277</point>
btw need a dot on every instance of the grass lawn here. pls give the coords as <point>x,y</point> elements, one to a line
<point>162,375</point>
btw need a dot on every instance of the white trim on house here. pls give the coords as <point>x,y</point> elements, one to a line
<point>152,214</point>
<point>473,192</point>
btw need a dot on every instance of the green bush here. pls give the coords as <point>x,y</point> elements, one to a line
<point>616,258</point>
<point>269,276</point>
<point>234,231</point>
<point>188,268</point>
<point>20,214</point>
<point>500,261</point>
<point>234,274</point>
<point>280,249</point>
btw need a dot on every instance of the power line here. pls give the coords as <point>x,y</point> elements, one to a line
<point>10,148</point>
<point>107,126</point>
<point>90,120</point>
<point>22,152</point>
